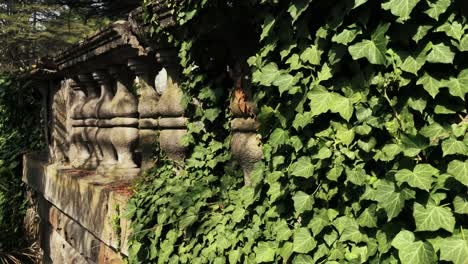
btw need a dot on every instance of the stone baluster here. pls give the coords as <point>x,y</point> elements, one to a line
<point>104,115</point>
<point>90,119</point>
<point>147,102</point>
<point>78,145</point>
<point>124,108</point>
<point>245,144</point>
<point>172,123</point>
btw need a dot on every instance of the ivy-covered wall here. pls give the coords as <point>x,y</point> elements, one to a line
<point>363,120</point>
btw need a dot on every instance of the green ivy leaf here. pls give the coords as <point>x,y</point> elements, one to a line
<point>400,8</point>
<point>296,8</point>
<point>278,137</point>
<point>421,177</point>
<point>452,146</point>
<point>430,84</point>
<point>342,105</point>
<point>458,86</point>
<point>265,252</point>
<point>303,241</point>
<point>455,250</point>
<point>303,167</point>
<point>282,230</point>
<point>388,199</point>
<point>403,239</point>
<point>440,53</point>
<point>368,217</point>
<point>460,204</point>
<point>438,8</point>
<point>374,50</point>
<point>421,32</point>
<point>417,253</point>
<point>346,36</point>
<point>459,170</point>
<point>302,119</point>
<point>312,55</point>
<point>302,202</point>
<point>464,43</point>
<point>267,26</point>
<point>267,74</point>
<point>320,100</point>
<point>433,217</point>
<point>303,259</point>
<point>285,82</point>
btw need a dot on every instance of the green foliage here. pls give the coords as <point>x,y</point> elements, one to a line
<point>364,129</point>
<point>19,132</point>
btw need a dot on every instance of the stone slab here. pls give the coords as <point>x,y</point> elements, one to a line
<point>87,198</point>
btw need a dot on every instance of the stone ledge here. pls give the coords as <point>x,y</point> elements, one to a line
<point>87,198</point>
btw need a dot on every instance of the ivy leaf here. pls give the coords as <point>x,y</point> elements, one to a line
<point>433,217</point>
<point>285,82</point>
<point>303,167</point>
<point>296,8</point>
<point>455,250</point>
<point>430,84</point>
<point>278,137</point>
<point>303,259</point>
<point>421,32</point>
<point>265,252</point>
<point>459,170</point>
<point>437,8</point>
<point>421,177</point>
<point>400,8</point>
<point>368,217</point>
<point>267,74</point>
<point>454,30</point>
<point>417,253</point>
<point>302,202</point>
<point>302,119</point>
<point>388,199</point>
<point>320,100</point>
<point>303,241</point>
<point>267,26</point>
<point>440,53</point>
<point>452,146</point>
<point>388,152</point>
<point>212,113</point>
<point>342,105</point>
<point>464,43</point>
<point>312,55</point>
<point>434,131</point>
<point>374,50</point>
<point>282,231</point>
<point>403,239</point>
<point>346,36</point>
<point>458,86</point>
<point>460,204</point>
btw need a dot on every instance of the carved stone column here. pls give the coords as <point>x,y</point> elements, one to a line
<point>245,145</point>
<point>124,108</point>
<point>90,119</point>
<point>104,115</point>
<point>172,123</point>
<point>147,101</point>
<point>78,145</point>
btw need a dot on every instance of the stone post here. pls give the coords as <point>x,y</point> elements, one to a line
<point>78,145</point>
<point>124,108</point>
<point>104,115</point>
<point>90,120</point>
<point>172,123</point>
<point>245,144</point>
<point>147,101</point>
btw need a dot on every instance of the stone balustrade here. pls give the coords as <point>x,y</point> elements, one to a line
<point>109,101</point>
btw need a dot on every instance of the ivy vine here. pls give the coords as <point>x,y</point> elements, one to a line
<point>362,105</point>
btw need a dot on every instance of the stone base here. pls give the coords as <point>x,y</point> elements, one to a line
<point>79,210</point>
